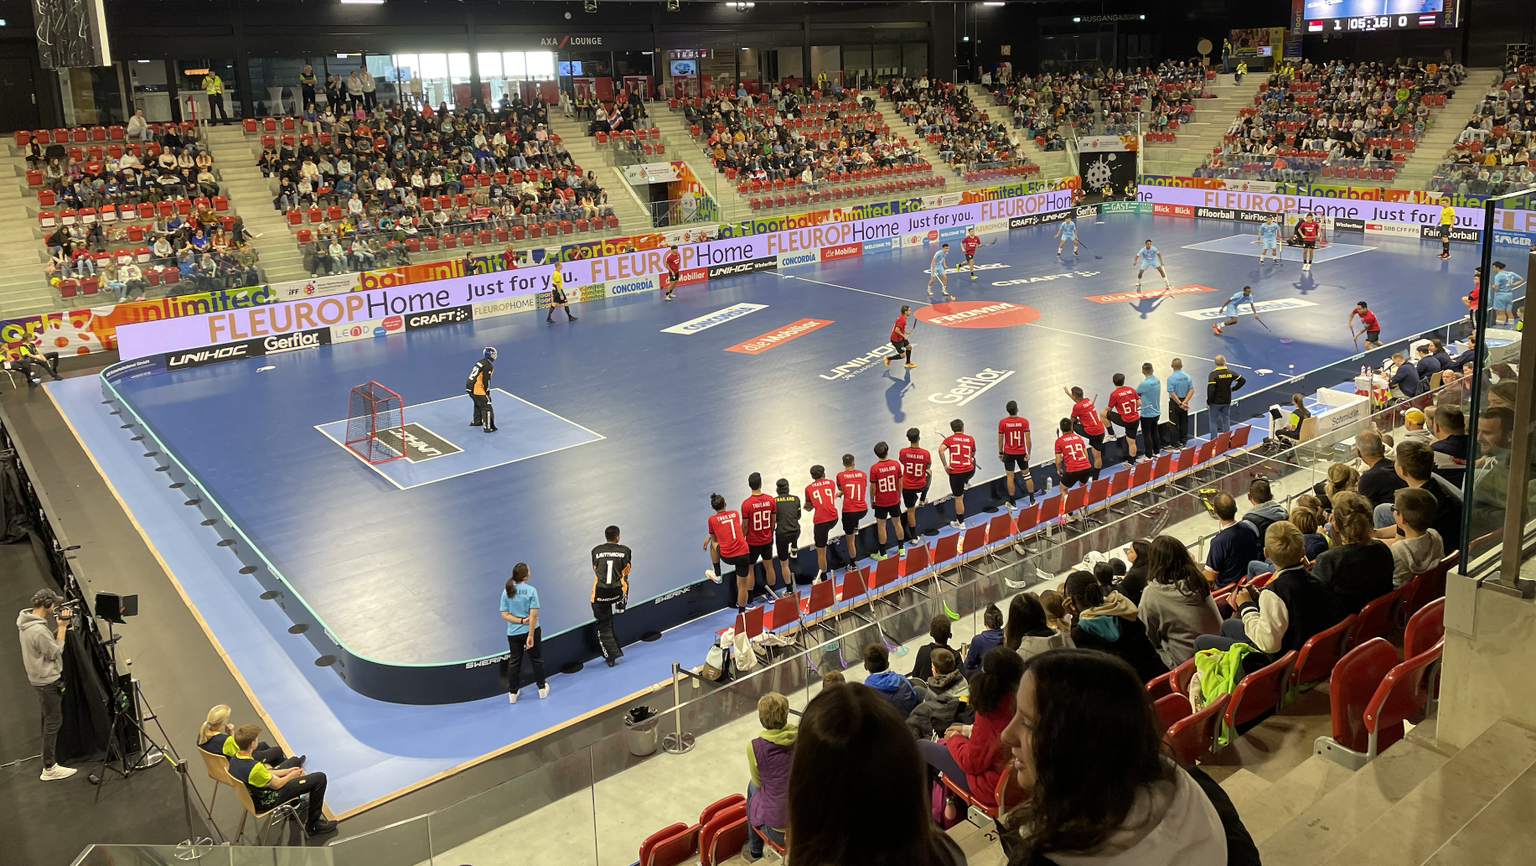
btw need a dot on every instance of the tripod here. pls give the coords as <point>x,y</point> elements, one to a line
<point>130,707</point>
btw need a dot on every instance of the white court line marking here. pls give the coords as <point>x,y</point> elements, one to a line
<point>398,486</point>
<point>1028,324</point>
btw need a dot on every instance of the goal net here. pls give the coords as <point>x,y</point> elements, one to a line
<point>1294,216</point>
<point>376,423</point>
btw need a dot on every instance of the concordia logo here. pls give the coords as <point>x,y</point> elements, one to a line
<point>968,388</point>
<point>693,326</point>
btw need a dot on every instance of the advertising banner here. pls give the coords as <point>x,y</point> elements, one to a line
<point>94,329</point>
<point>650,172</point>
<point>717,259</point>
<point>1371,211</point>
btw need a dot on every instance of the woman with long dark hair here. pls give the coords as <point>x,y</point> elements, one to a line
<point>1176,606</point>
<point>1291,434</point>
<point>1087,749</point>
<point>1028,630</point>
<point>972,755</point>
<point>851,740</point>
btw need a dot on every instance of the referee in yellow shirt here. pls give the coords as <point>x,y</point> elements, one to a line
<point>1447,219</point>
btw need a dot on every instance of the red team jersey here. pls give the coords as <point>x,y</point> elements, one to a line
<point>725,526</point>
<point>899,329</point>
<point>1124,402</point>
<point>914,468</point>
<point>960,448</point>
<point>969,244</point>
<point>884,477</point>
<point>1307,230</point>
<point>1073,451</point>
<point>1013,429</point>
<point>1084,413</point>
<point>854,485</point>
<point>1368,320</point>
<point>823,495</point>
<point>673,261</point>
<point>757,513</point>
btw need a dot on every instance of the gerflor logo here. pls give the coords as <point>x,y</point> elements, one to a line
<point>968,388</point>
<point>289,342</point>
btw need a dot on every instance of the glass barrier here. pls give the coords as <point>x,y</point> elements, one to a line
<point>162,855</point>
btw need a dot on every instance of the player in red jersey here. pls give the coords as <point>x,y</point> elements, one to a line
<point>916,474</point>
<point>885,485</point>
<point>958,455</point>
<point>853,489</point>
<point>1369,326</point>
<point>758,513</point>
<point>726,542</point>
<point>900,332</point>
<point>1470,299</point>
<point>1124,412</point>
<point>1013,450</point>
<point>969,245</point>
<point>1308,231</point>
<point>821,497</point>
<point>674,263</point>
<point>1087,417</point>
<point>1073,466</point>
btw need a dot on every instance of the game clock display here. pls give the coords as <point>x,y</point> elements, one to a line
<point>1366,16</point>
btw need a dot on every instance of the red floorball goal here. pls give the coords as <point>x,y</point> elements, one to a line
<point>376,423</point>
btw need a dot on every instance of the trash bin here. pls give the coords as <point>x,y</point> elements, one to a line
<point>640,725</point>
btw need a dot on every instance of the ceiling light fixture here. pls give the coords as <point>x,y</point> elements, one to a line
<point>362,2</point>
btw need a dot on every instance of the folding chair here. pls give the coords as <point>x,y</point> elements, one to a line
<point>1074,502</point>
<point>999,530</point>
<point>974,541</point>
<point>1122,482</point>
<point>1026,522</point>
<point>1050,509</point>
<point>1098,493</point>
<point>944,551</point>
<point>853,587</point>
<point>821,598</point>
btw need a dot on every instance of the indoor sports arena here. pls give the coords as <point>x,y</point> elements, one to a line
<point>321,540</point>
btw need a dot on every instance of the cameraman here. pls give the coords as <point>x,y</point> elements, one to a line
<point>42,651</point>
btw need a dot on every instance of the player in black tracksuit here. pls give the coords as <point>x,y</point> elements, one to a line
<point>610,590</point>
<point>478,386</point>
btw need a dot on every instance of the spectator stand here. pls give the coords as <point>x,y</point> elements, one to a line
<point>1488,151</point>
<point>961,134</point>
<point>102,199</point>
<point>1354,124</point>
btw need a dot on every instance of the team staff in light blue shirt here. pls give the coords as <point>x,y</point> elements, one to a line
<point>1180,389</point>
<point>1150,391</point>
<point>520,608</point>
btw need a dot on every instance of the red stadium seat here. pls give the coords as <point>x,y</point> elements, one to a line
<point>1352,685</point>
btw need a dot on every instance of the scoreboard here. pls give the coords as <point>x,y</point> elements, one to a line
<point>1340,17</point>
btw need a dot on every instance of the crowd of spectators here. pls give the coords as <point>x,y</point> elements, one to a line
<point>158,189</point>
<point>1055,105</point>
<point>1316,119</point>
<point>369,186</point>
<point>798,136</point>
<point>1491,155</point>
<point>967,137</point>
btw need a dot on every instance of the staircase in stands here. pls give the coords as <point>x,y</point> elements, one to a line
<point>23,286</point>
<point>1053,163</point>
<point>250,195</point>
<point>1447,124</point>
<point>1194,141</point>
<point>633,217</point>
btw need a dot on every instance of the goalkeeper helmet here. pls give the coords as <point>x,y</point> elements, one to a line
<point>490,352</point>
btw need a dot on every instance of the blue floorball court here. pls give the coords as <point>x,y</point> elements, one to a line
<point>615,419</point>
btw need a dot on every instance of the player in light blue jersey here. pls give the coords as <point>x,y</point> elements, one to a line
<point>937,271</point>
<point>1234,303</point>
<point>1269,238</point>
<point>1505,284</point>
<point>1067,232</point>
<point>1145,260</point>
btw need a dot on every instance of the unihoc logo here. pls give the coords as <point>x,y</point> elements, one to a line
<point>290,342</point>
<point>207,356</point>
<point>719,317</point>
<point>846,251</point>
<point>968,388</point>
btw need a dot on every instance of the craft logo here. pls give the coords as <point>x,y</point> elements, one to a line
<point>758,345</point>
<point>630,287</point>
<point>1039,219</point>
<point>719,317</point>
<point>1122,297</point>
<point>1045,278</point>
<point>420,443</point>
<point>1261,307</point>
<point>978,314</point>
<point>846,251</point>
<point>213,354</point>
<point>968,388</point>
<point>524,303</point>
<point>749,266</point>
<point>312,339</point>
<point>450,316</point>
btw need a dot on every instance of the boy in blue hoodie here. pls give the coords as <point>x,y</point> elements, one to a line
<point>896,689</point>
<point>981,644</point>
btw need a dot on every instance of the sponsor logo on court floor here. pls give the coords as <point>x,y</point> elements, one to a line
<point>1045,278</point>
<point>1261,306</point>
<point>719,317</point>
<point>1121,297</point>
<point>978,314</point>
<point>968,388</point>
<point>419,443</point>
<point>854,366</point>
<point>758,345</point>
